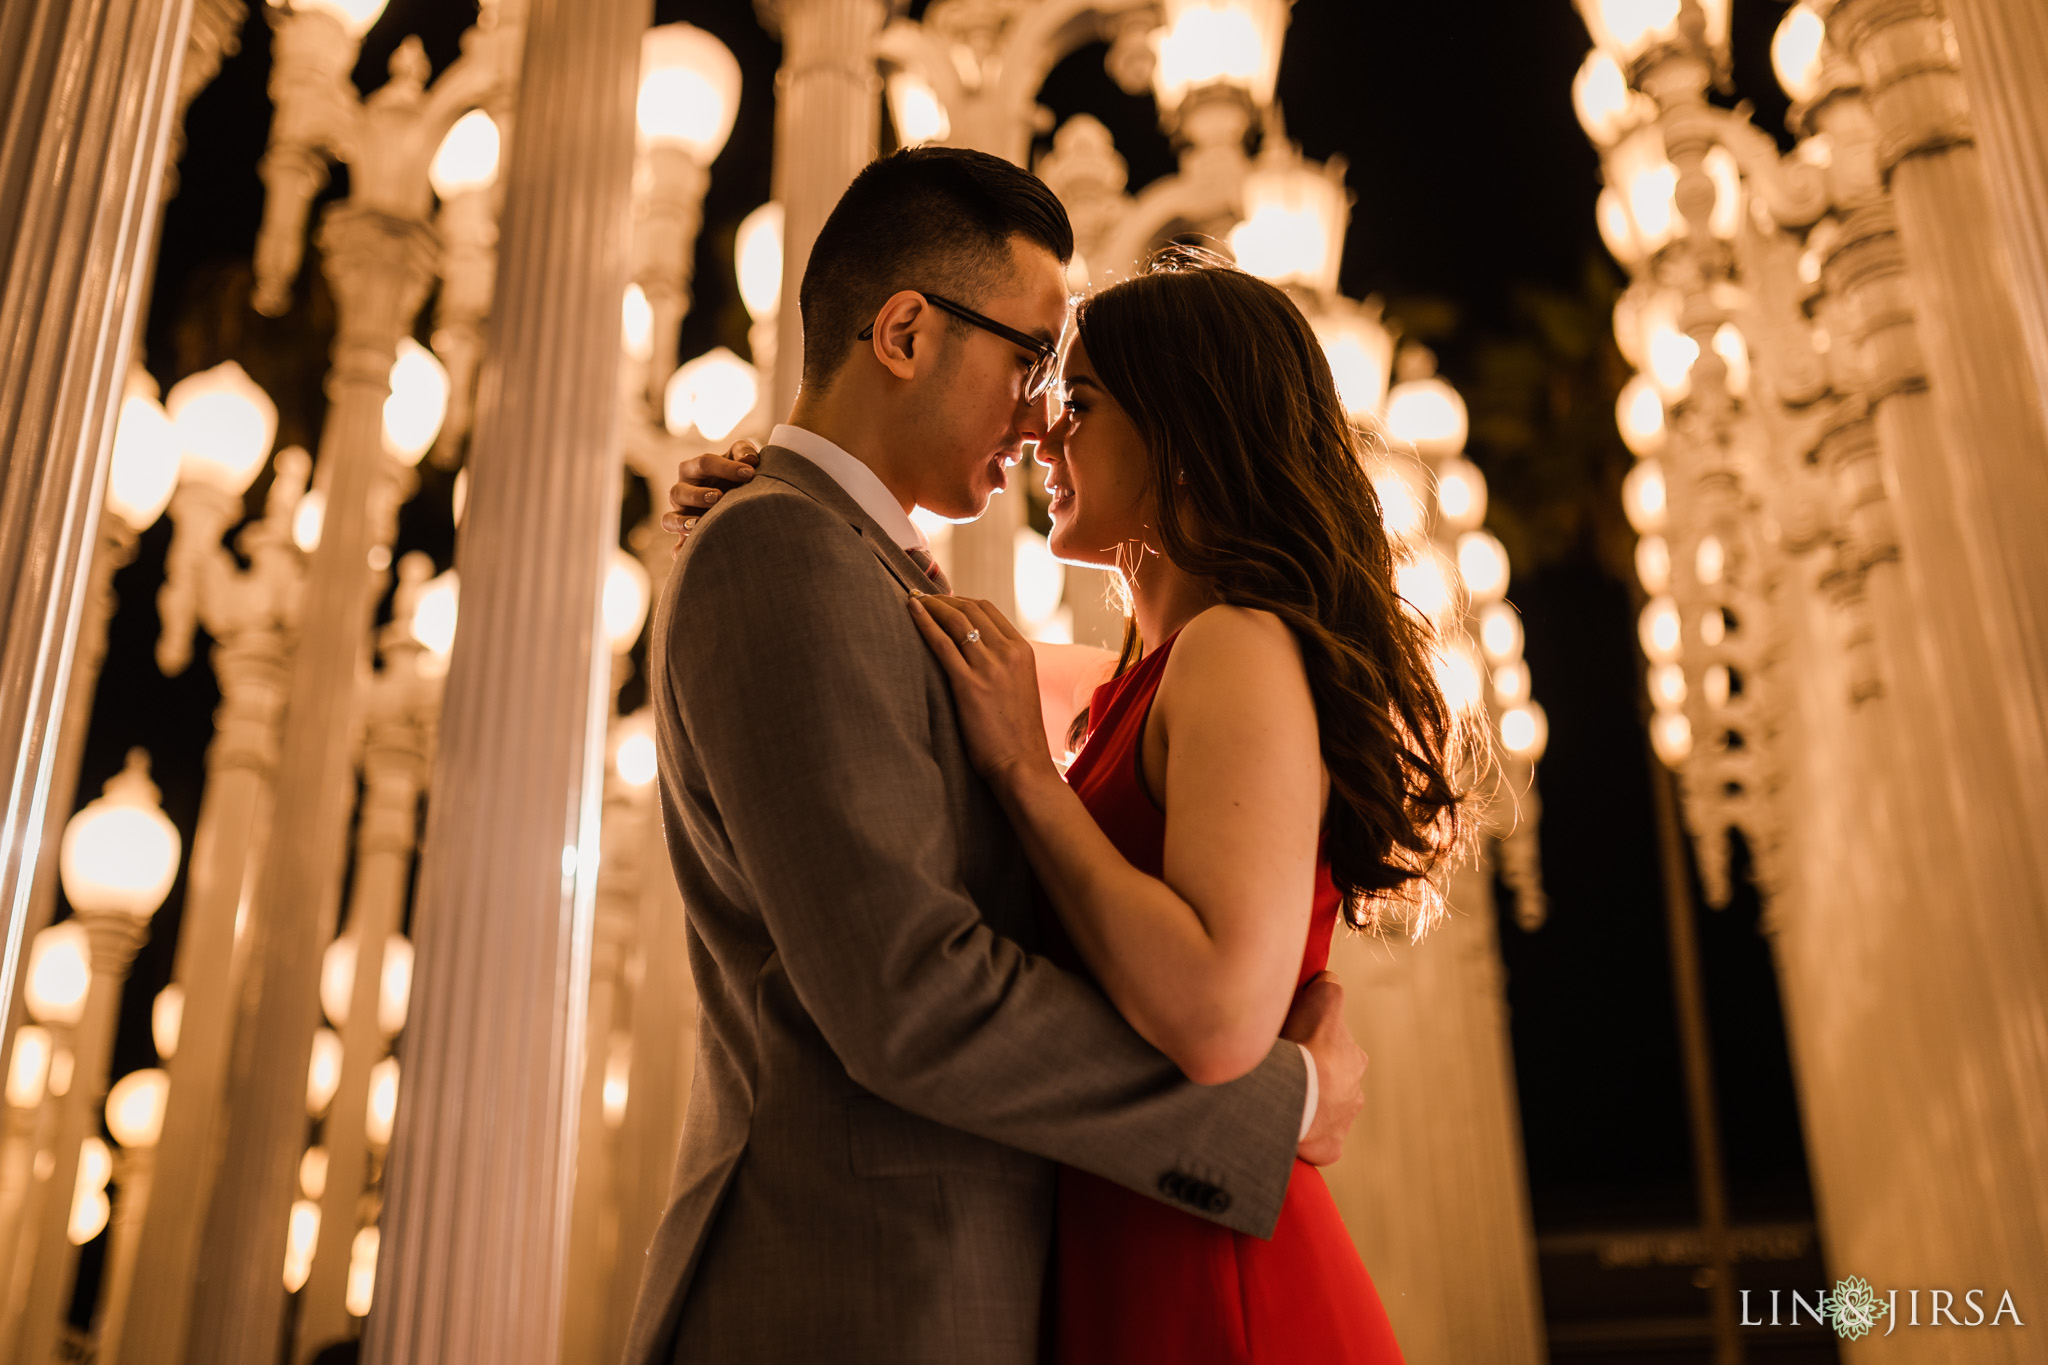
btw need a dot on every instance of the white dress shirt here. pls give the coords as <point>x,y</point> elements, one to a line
<point>866,488</point>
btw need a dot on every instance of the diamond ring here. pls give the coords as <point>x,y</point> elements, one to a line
<point>972,637</point>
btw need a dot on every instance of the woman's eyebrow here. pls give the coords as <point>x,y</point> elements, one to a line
<point>1081,379</point>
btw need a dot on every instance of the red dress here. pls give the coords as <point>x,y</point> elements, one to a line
<point>1138,1281</point>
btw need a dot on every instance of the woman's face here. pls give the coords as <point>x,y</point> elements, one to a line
<point>1097,469</point>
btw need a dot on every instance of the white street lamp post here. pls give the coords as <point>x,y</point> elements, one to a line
<point>135,1116</point>
<point>59,976</point>
<point>119,858</point>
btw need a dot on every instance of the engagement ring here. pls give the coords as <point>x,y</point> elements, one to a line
<point>972,636</point>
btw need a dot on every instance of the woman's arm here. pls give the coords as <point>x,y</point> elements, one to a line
<point>1203,963</point>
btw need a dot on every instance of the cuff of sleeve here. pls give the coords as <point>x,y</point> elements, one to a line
<point>1308,1106</point>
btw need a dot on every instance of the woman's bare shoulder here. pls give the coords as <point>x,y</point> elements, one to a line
<point>1236,657</point>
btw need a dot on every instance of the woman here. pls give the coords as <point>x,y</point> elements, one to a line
<point>1275,756</point>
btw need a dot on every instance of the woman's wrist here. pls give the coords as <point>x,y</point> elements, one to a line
<point>1018,776</point>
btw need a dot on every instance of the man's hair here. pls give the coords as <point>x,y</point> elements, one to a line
<point>924,218</point>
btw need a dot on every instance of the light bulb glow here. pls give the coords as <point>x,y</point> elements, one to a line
<point>434,614</point>
<point>1500,632</point>
<point>1639,413</point>
<point>467,158</point>
<point>1630,28</point>
<point>417,403</point>
<point>1041,580</point>
<point>1460,495</point>
<point>313,1172</point>
<point>1606,107</point>
<point>307,520</point>
<point>1610,213</point>
<point>1204,42</point>
<point>1653,564</point>
<point>225,425</point>
<point>1796,52</point>
<point>120,854</point>
<point>356,17</point>
<point>636,760</point>
<point>1658,630</point>
<point>713,393</point>
<point>28,1070</point>
<point>1401,510</point>
<point>1360,352</point>
<point>689,90</point>
<point>1726,217</point>
<point>394,985</point>
<point>757,260</point>
<point>1667,687</point>
<point>166,1018</point>
<point>323,1071</point>
<point>1525,731</point>
<point>1482,565</point>
<point>89,1206</point>
<point>626,592</point>
<point>916,110</point>
<point>302,1237</point>
<point>59,974</point>
<point>1459,678</point>
<point>636,324</point>
<point>143,469</point>
<point>362,1272</point>
<point>135,1107</point>
<point>1710,560</point>
<point>1716,685</point>
<point>1511,683</point>
<point>1713,627</point>
<point>618,1068</point>
<point>1295,216</point>
<point>338,979</point>
<point>1644,497</point>
<point>1429,415</point>
<point>1672,355</point>
<point>1424,581</point>
<point>1734,353</point>
<point>1671,737</point>
<point>383,1110</point>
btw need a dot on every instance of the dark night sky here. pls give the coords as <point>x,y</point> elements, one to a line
<point>1474,207</point>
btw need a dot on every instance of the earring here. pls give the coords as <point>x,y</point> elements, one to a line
<point>1180,476</point>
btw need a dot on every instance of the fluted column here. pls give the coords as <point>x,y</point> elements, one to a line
<point>1433,1185</point>
<point>827,123</point>
<point>92,87</point>
<point>379,268</point>
<point>2005,71</point>
<point>475,1227</point>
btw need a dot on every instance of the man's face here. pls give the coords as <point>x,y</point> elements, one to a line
<point>971,415</point>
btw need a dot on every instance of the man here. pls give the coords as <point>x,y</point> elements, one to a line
<point>885,1073</point>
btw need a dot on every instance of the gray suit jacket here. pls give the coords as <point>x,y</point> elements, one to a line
<point>885,1071</point>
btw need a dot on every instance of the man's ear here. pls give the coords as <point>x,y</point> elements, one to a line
<point>897,330</point>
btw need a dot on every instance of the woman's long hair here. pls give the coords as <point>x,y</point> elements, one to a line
<point>1261,490</point>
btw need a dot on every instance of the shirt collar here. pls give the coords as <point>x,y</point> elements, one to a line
<point>861,484</point>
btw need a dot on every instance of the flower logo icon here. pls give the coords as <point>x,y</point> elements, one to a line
<point>1853,1308</point>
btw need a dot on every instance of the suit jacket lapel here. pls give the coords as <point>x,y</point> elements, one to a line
<point>786,466</point>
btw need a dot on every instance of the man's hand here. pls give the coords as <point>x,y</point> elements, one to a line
<point>699,481</point>
<point>1317,1023</point>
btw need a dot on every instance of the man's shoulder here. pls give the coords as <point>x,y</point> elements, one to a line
<point>768,522</point>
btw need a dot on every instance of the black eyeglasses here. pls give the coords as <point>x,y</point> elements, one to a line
<point>1036,380</point>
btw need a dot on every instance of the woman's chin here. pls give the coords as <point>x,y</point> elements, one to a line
<point>1069,548</point>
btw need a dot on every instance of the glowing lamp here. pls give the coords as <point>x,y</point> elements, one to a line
<point>313,1172</point>
<point>1631,28</point>
<point>1796,52</point>
<point>1041,580</point>
<point>689,90</point>
<point>1361,352</point>
<point>1511,683</point>
<point>1482,565</point>
<point>417,403</point>
<point>1459,678</point>
<point>59,974</point>
<point>225,425</point>
<point>144,467</point>
<point>1639,413</point>
<point>1425,582</point>
<point>916,110</point>
<point>1460,495</point>
<point>1671,737</point>
<point>1643,497</point>
<point>356,17</point>
<point>636,324</point>
<point>120,854</point>
<point>383,1110</point>
<point>618,1070</point>
<point>307,520</point>
<point>1601,97</point>
<point>1648,186</point>
<point>1713,626</point>
<point>1716,685</point>
<point>1710,559</point>
<point>1500,632</point>
<point>467,159</point>
<point>1295,213</point>
<point>1658,630</point>
<point>338,979</point>
<point>1667,686</point>
<point>1402,512</point>
<point>362,1272</point>
<point>1235,43</point>
<point>626,592</point>
<point>1617,233</point>
<point>28,1070</point>
<point>1429,415</point>
<point>634,756</point>
<point>757,259</point>
<point>1653,564</point>
<point>302,1237</point>
<point>433,615</point>
<point>394,985</point>
<point>135,1107</point>
<point>1734,353</point>
<point>1525,731</point>
<point>713,393</point>
<point>323,1071</point>
<point>1726,216</point>
<point>89,1206</point>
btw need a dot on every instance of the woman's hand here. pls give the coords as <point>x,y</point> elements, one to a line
<point>699,482</point>
<point>995,684</point>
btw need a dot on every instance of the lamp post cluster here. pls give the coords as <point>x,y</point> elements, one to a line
<point>1838,425</point>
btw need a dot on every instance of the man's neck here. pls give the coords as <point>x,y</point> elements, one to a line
<point>856,437</point>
